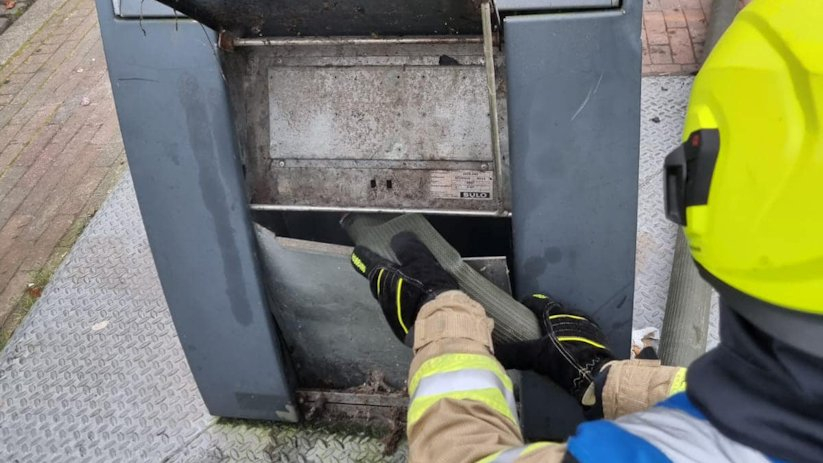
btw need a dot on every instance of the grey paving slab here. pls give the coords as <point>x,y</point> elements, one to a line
<point>96,372</point>
<point>21,30</point>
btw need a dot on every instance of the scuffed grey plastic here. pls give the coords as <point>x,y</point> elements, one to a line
<point>174,116</point>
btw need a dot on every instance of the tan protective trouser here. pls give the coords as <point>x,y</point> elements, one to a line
<point>475,429</point>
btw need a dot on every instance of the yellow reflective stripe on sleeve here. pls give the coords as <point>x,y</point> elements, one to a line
<point>566,315</point>
<point>454,362</point>
<point>531,448</point>
<point>462,381</point>
<point>379,277</point>
<point>399,311</point>
<point>358,263</point>
<point>678,382</point>
<point>539,296</point>
<point>512,454</point>
<point>492,398</point>
<point>579,339</point>
<point>490,458</point>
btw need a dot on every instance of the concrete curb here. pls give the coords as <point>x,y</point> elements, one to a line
<point>21,30</point>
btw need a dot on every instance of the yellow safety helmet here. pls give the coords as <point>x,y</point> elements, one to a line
<point>747,183</point>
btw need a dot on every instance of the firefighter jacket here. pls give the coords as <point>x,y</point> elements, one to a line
<point>462,406</point>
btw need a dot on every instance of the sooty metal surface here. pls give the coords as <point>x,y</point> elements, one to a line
<point>251,18</point>
<point>402,126</point>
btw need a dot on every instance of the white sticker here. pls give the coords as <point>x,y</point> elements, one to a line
<point>462,184</point>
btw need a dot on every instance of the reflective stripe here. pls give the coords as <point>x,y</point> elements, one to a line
<point>492,398</point>
<point>379,277</point>
<point>678,382</point>
<point>399,313</point>
<point>461,377</point>
<point>683,437</point>
<point>565,315</point>
<point>504,456</point>
<point>463,380</point>
<point>531,448</point>
<point>579,339</point>
<point>455,362</point>
<point>358,263</point>
<point>512,454</point>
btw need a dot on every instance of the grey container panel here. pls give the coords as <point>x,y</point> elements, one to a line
<point>334,329</point>
<point>177,129</point>
<point>574,129</point>
<point>574,95</point>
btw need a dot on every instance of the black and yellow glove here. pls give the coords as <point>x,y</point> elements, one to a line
<point>401,289</point>
<point>571,352</point>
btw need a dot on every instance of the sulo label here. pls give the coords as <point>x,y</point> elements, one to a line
<point>462,184</point>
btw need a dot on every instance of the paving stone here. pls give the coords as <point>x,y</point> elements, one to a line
<point>52,166</point>
<point>660,54</point>
<point>679,25</point>
<point>674,18</point>
<point>681,46</point>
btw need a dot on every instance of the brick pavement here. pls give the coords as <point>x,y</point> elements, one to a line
<point>9,15</point>
<point>674,32</point>
<point>673,35</point>
<point>60,146</point>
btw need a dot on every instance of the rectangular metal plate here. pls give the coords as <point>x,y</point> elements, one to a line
<point>390,188</point>
<point>404,113</point>
<point>318,123</point>
<point>461,184</point>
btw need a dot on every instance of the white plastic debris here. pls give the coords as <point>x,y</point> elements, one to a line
<point>100,325</point>
<point>644,337</point>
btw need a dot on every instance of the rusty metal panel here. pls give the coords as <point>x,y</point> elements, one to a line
<point>391,188</point>
<point>369,126</point>
<point>382,112</point>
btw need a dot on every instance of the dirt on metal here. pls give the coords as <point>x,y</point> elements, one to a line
<point>374,408</point>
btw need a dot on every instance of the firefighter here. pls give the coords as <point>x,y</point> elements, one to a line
<point>747,186</point>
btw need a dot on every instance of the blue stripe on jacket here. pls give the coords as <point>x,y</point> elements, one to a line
<point>603,441</point>
<point>673,430</point>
